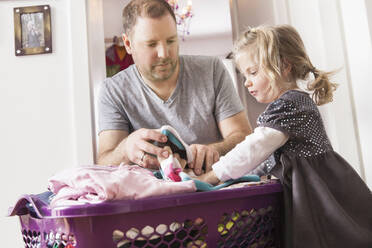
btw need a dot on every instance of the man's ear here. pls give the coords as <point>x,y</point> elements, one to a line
<point>127,43</point>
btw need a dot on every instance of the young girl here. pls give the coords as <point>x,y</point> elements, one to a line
<point>326,202</point>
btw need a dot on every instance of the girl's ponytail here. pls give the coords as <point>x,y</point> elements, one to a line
<point>321,87</point>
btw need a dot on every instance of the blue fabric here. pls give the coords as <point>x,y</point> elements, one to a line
<point>158,174</point>
<point>203,186</point>
<point>173,139</point>
<point>174,143</point>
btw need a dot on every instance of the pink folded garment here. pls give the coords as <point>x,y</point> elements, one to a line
<point>94,184</point>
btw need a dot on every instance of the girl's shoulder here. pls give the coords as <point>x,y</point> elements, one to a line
<point>294,113</point>
<point>293,99</point>
<point>295,95</point>
<point>292,104</point>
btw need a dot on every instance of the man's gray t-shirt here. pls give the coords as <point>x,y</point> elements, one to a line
<point>204,96</point>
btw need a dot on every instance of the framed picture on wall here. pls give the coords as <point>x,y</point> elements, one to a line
<point>32,30</point>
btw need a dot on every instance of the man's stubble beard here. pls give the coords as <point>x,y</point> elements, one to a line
<point>153,75</point>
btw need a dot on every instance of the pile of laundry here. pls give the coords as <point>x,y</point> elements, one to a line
<point>95,184</point>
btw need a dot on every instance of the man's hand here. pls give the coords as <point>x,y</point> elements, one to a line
<point>117,146</point>
<point>139,150</point>
<point>203,155</point>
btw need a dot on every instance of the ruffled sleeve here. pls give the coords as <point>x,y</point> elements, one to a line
<point>286,116</point>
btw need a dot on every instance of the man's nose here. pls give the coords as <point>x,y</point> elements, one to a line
<point>163,51</point>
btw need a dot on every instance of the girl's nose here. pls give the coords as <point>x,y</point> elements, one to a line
<point>248,83</point>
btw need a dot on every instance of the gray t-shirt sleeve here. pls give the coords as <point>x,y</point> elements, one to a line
<point>227,100</point>
<point>111,115</point>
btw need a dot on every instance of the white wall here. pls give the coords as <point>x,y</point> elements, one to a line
<point>218,44</point>
<point>255,12</point>
<point>97,63</point>
<point>45,108</point>
<point>210,29</point>
<point>112,14</point>
<point>321,25</point>
<point>357,22</point>
<point>250,13</point>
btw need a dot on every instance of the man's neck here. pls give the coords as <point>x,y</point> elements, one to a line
<point>164,89</point>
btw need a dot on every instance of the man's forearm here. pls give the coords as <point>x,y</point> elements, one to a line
<point>114,157</point>
<point>229,142</point>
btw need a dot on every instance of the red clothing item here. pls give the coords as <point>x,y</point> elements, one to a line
<point>114,63</point>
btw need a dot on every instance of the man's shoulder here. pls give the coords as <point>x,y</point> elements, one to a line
<point>122,78</point>
<point>198,59</point>
<point>122,83</point>
<point>201,64</point>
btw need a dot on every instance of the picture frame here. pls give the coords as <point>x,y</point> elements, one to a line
<point>32,30</point>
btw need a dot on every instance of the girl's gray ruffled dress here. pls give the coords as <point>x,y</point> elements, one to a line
<point>326,203</point>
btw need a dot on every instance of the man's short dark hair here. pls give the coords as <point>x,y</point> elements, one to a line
<point>144,8</point>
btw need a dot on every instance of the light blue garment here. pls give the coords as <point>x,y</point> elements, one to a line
<point>203,186</point>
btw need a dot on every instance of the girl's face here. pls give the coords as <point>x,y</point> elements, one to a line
<point>256,81</point>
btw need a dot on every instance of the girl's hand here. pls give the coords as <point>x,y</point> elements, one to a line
<point>209,177</point>
<point>203,155</point>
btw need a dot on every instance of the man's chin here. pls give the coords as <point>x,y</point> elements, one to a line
<point>162,76</point>
<point>160,79</point>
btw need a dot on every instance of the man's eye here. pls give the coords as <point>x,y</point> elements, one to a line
<point>151,44</point>
<point>170,41</point>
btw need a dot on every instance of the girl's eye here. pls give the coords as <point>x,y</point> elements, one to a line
<point>253,73</point>
<point>170,41</point>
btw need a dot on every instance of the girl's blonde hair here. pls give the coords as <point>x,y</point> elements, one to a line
<point>276,48</point>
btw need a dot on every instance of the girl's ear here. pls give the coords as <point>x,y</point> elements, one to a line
<point>127,43</point>
<point>287,67</point>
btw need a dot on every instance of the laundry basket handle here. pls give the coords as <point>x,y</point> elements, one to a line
<point>35,205</point>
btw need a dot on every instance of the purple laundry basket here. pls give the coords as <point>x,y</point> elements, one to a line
<point>240,217</point>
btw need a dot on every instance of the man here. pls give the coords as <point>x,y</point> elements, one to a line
<point>194,94</point>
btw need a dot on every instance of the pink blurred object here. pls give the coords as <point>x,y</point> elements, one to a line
<point>171,168</point>
<point>172,173</point>
<point>94,184</point>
